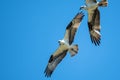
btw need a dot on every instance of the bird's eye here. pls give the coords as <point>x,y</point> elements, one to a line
<point>59,41</point>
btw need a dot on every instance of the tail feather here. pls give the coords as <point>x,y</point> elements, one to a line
<point>73,50</point>
<point>103,3</point>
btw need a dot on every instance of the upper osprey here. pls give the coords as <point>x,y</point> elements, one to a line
<point>65,45</point>
<point>94,19</point>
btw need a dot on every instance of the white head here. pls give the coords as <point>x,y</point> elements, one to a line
<point>61,42</point>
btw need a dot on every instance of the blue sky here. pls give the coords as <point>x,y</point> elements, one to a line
<point>29,34</point>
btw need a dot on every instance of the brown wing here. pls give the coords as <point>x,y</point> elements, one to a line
<point>72,28</point>
<point>94,26</point>
<point>54,60</point>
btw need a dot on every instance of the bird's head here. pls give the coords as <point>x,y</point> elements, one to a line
<point>82,7</point>
<point>61,42</point>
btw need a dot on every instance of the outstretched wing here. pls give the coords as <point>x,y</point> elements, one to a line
<point>94,26</point>
<point>72,28</point>
<point>54,60</point>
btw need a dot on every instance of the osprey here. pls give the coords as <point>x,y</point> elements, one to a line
<point>65,45</point>
<point>94,19</point>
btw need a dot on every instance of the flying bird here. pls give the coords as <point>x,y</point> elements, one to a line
<point>65,45</point>
<point>94,19</point>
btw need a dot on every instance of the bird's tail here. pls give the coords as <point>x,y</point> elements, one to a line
<point>73,50</point>
<point>103,3</point>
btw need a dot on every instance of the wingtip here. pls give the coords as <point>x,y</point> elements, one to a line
<point>47,72</point>
<point>95,41</point>
<point>79,15</point>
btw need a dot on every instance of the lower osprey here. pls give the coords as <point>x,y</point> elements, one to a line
<point>94,18</point>
<point>65,45</point>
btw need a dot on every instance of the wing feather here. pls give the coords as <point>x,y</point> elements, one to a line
<point>54,60</point>
<point>72,28</point>
<point>94,27</point>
